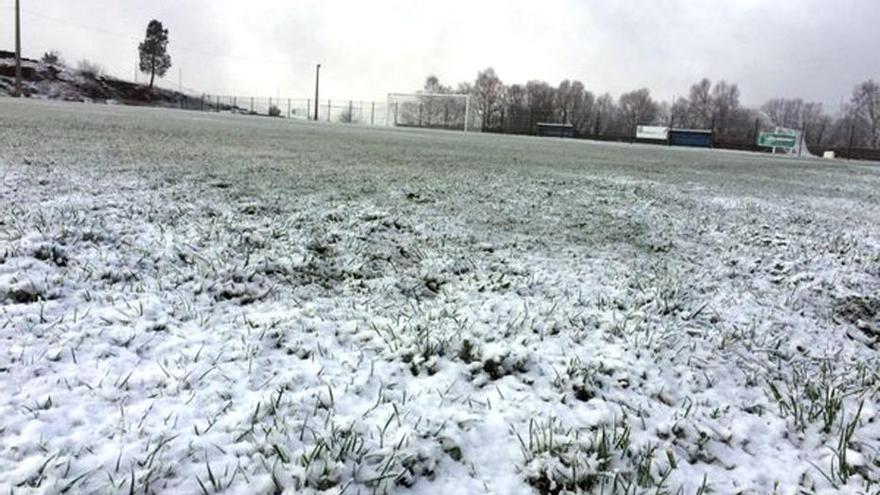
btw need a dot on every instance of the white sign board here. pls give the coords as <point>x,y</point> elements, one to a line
<point>654,133</point>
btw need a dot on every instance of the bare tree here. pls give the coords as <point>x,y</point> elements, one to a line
<point>582,115</point>
<point>815,124</point>
<point>664,110</point>
<point>438,113</point>
<point>637,108</point>
<point>542,103</point>
<point>488,91</point>
<point>516,104</point>
<point>574,104</point>
<point>725,105</point>
<point>865,110</point>
<point>785,112</point>
<point>701,107</point>
<point>567,95</point>
<point>680,113</point>
<point>794,113</point>
<point>606,115</point>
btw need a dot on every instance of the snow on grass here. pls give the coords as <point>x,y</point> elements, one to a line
<point>195,303</point>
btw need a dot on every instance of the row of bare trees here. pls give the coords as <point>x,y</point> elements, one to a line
<point>517,108</point>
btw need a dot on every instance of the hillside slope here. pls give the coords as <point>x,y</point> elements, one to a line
<point>58,82</point>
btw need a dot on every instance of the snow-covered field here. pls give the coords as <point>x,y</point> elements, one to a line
<point>199,303</point>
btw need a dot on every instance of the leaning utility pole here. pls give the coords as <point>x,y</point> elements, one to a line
<point>17,49</point>
<point>317,83</point>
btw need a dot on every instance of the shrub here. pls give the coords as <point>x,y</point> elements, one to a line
<point>89,69</point>
<point>274,111</point>
<point>52,58</point>
<point>347,117</point>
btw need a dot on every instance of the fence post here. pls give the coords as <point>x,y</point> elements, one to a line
<point>234,103</point>
<point>217,99</point>
<point>288,108</point>
<point>309,109</point>
<point>372,112</point>
<point>252,104</point>
<point>852,135</point>
<point>803,139</point>
<point>350,109</point>
<point>396,110</point>
<point>713,131</point>
<point>755,137</point>
<point>328,110</point>
<point>202,104</point>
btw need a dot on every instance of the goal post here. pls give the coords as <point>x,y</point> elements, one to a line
<point>429,110</point>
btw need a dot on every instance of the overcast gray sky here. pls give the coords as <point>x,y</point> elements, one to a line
<point>816,49</point>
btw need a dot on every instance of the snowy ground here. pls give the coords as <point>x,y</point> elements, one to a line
<point>198,303</point>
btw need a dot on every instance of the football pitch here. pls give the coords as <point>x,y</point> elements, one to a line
<point>207,303</point>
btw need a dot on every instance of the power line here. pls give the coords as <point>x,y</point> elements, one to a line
<point>177,46</point>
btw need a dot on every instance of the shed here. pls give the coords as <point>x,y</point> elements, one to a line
<point>546,129</point>
<point>696,138</point>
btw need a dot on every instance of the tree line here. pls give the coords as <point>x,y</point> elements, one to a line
<point>518,108</point>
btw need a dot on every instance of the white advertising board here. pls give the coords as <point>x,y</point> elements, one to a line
<point>655,133</point>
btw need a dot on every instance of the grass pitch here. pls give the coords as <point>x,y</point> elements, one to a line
<point>204,303</point>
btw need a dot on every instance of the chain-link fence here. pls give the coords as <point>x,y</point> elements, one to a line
<point>428,114</point>
<point>330,110</point>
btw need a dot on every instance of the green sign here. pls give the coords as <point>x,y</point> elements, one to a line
<point>778,140</point>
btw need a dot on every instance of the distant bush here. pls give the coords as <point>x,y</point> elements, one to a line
<point>347,117</point>
<point>52,58</point>
<point>274,111</point>
<point>89,69</point>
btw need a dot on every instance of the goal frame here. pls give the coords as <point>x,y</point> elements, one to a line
<point>459,96</point>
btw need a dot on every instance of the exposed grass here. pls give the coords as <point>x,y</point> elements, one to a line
<point>200,303</point>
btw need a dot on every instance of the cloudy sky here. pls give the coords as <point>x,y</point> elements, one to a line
<point>816,49</point>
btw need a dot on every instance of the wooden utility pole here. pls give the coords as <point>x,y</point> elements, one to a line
<point>317,86</point>
<point>17,49</point>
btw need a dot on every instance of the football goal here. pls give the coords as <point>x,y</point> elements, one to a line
<point>429,110</point>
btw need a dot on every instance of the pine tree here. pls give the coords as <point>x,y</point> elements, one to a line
<point>154,59</point>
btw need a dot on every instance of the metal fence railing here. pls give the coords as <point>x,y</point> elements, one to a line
<point>444,115</point>
<point>330,110</point>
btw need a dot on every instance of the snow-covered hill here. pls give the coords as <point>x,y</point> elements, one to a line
<point>58,82</point>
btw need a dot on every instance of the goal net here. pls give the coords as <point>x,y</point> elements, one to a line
<point>428,110</point>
